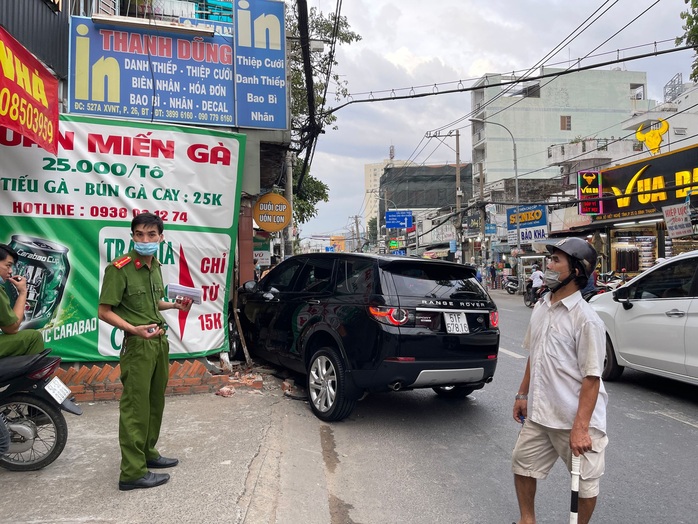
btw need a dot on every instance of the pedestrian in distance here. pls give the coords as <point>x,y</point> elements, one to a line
<point>561,401</point>
<point>274,263</point>
<point>131,299</point>
<point>493,275</point>
<point>14,342</point>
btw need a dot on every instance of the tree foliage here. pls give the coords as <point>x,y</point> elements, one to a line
<point>372,226</point>
<point>313,191</point>
<point>690,37</point>
<point>324,64</point>
<point>325,81</point>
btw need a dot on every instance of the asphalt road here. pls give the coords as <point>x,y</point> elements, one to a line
<point>406,457</point>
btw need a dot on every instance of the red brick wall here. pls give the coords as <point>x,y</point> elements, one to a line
<point>102,381</point>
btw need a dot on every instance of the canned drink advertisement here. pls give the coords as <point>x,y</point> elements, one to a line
<point>68,216</point>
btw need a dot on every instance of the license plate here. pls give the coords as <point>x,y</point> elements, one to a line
<point>456,323</point>
<point>57,389</point>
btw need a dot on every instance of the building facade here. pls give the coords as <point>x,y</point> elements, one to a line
<point>541,113</point>
<point>372,177</point>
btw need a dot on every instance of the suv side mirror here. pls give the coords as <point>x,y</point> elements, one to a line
<point>250,287</point>
<point>272,294</point>
<point>622,295</point>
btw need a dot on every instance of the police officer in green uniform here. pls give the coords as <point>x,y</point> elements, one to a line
<point>131,300</point>
<point>13,341</point>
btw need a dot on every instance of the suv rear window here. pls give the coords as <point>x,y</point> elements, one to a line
<point>436,281</point>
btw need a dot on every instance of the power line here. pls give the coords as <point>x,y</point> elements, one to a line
<point>510,82</point>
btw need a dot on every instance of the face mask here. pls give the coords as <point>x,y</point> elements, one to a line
<point>552,279</point>
<point>2,281</point>
<point>146,248</point>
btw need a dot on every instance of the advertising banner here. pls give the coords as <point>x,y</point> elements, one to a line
<point>68,217</point>
<point>589,189</point>
<point>28,94</point>
<point>678,220</point>
<point>533,224</point>
<point>644,187</point>
<point>233,79</point>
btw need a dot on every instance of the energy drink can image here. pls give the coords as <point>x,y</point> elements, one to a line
<point>45,266</point>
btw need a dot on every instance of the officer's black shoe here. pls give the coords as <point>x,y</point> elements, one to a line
<point>149,480</point>
<point>162,462</point>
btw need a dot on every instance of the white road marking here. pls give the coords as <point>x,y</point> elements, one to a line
<point>502,309</point>
<point>511,353</point>
<point>679,417</point>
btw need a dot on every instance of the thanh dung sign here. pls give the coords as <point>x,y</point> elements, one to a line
<point>28,94</point>
<point>234,79</point>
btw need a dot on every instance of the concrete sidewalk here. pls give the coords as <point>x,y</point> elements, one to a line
<point>255,457</point>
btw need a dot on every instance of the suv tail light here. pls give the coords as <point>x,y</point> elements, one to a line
<point>494,319</point>
<point>390,315</point>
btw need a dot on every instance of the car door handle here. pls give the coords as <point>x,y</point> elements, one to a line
<point>313,301</point>
<point>675,313</point>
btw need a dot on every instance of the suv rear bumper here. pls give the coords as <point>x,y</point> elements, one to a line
<point>424,374</point>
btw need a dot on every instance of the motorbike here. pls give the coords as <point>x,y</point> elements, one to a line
<point>31,402</point>
<point>611,280</point>
<point>511,284</point>
<point>530,296</point>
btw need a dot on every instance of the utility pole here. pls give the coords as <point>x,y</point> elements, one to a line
<point>357,247</point>
<point>459,198</point>
<point>483,217</point>
<point>288,193</point>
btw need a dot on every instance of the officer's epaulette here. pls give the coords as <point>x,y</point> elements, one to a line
<point>121,262</point>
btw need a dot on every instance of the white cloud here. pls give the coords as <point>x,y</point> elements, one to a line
<point>412,44</point>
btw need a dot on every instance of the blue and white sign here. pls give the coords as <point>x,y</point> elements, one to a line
<point>234,78</point>
<point>490,229</point>
<point>398,219</point>
<point>533,224</point>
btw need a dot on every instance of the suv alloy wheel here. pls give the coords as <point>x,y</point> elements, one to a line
<point>327,386</point>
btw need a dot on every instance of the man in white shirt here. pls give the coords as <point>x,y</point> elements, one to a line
<point>536,278</point>
<point>561,397</point>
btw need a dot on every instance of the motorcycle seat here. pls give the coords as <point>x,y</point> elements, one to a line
<point>11,367</point>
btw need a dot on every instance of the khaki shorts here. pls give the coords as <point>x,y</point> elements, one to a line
<point>538,448</point>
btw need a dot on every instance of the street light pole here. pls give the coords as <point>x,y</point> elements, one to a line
<point>516,185</point>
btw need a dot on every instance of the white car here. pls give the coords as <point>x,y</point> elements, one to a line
<point>652,321</point>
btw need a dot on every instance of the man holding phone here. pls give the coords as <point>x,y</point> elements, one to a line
<point>131,299</point>
<point>14,342</point>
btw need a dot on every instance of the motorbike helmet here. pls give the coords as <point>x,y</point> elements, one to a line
<point>581,252</point>
<point>535,267</point>
<point>582,257</point>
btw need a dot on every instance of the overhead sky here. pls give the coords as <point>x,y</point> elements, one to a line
<point>433,46</point>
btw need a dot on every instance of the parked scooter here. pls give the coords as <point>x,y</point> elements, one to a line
<point>611,280</point>
<point>512,284</point>
<point>31,402</point>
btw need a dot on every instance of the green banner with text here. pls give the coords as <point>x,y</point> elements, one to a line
<point>68,216</point>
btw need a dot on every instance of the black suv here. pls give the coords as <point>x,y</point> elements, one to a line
<point>356,323</point>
